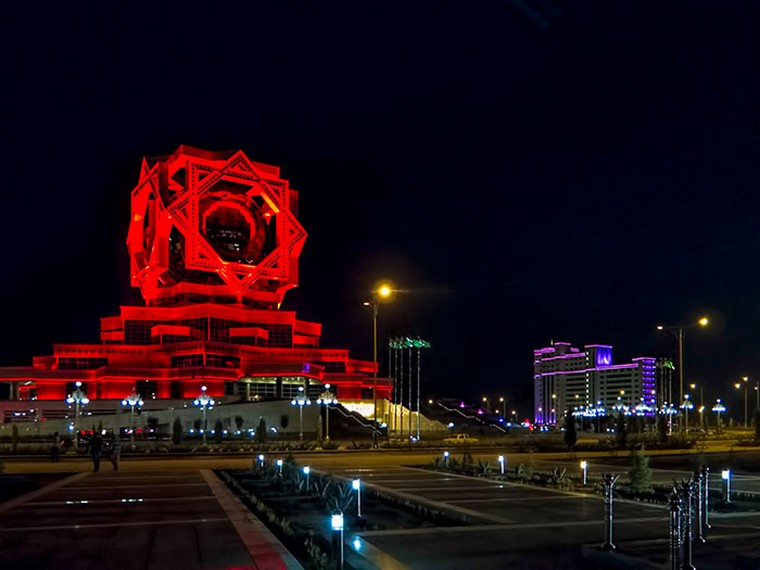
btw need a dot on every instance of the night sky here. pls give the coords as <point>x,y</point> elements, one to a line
<point>526,171</point>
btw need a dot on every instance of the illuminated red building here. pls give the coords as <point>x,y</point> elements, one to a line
<point>213,244</point>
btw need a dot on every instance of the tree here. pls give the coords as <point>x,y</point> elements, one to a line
<point>239,422</point>
<point>662,428</point>
<point>640,474</point>
<point>571,434</point>
<point>621,434</point>
<point>218,431</point>
<point>177,431</point>
<point>261,432</point>
<point>152,424</point>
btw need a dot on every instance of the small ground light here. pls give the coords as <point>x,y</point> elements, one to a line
<point>356,484</point>
<point>336,523</point>
<point>279,467</point>
<point>726,476</point>
<point>501,463</point>
<point>446,459</point>
<point>306,471</point>
<point>584,468</point>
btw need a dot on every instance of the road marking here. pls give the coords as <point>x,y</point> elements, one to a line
<point>117,487</point>
<point>514,499</point>
<point>39,492</point>
<point>508,526</point>
<point>126,500</point>
<point>112,525</point>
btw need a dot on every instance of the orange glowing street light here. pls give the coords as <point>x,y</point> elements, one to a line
<point>382,293</point>
<point>678,331</point>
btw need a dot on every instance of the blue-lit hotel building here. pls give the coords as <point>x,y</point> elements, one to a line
<point>587,382</point>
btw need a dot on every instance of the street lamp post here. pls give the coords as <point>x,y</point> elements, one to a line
<point>503,407</point>
<point>204,402</point>
<point>738,386</point>
<point>300,400</point>
<point>718,408</point>
<point>382,292</point>
<point>79,398</point>
<point>678,331</point>
<point>701,408</point>
<point>133,400</point>
<point>686,406</point>
<point>325,399</point>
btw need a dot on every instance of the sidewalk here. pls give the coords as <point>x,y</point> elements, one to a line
<point>129,520</point>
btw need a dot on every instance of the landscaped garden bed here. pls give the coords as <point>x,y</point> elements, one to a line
<point>297,507</point>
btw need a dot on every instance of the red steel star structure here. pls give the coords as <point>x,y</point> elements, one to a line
<point>213,242</point>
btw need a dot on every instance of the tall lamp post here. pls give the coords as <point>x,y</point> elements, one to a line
<point>701,408</point>
<point>757,391</point>
<point>678,332</point>
<point>325,399</point>
<point>686,406</point>
<point>718,408</point>
<point>300,400</point>
<point>383,292</point>
<point>79,398</point>
<point>738,386</point>
<point>204,402</point>
<point>134,401</point>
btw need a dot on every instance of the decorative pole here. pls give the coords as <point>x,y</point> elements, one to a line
<point>609,486</point>
<point>675,532</point>
<point>686,489</point>
<point>706,491</point>
<point>700,498</point>
<point>204,401</point>
<point>79,398</point>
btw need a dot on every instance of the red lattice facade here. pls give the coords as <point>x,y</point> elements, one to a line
<point>213,244</point>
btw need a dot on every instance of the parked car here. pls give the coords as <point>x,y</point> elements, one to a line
<point>460,438</point>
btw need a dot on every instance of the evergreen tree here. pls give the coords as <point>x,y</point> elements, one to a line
<point>662,428</point>
<point>177,431</point>
<point>571,433</point>
<point>640,474</point>
<point>239,422</point>
<point>621,433</point>
<point>218,431</point>
<point>261,432</point>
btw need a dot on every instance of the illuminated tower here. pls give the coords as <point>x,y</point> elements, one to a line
<point>213,245</point>
<point>209,226</point>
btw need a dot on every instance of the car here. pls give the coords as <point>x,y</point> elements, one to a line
<point>460,438</point>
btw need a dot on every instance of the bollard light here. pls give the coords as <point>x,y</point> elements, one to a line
<point>584,468</point>
<point>356,484</point>
<point>501,463</point>
<point>307,471</point>
<point>726,476</point>
<point>279,467</point>
<point>445,459</point>
<point>336,523</point>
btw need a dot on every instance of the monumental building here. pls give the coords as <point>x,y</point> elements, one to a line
<point>213,243</point>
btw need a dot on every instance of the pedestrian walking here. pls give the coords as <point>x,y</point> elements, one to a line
<point>115,452</point>
<point>96,450</point>
<point>55,448</point>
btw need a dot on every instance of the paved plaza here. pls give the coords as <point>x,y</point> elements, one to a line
<point>174,513</point>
